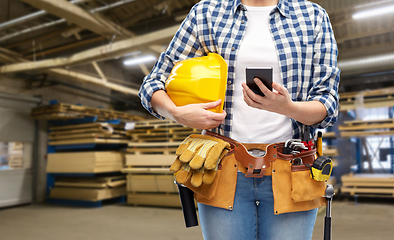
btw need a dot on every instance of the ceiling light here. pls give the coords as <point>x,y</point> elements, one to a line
<point>138,60</point>
<point>133,53</point>
<point>374,12</point>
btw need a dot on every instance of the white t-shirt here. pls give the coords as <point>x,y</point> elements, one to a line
<point>251,125</point>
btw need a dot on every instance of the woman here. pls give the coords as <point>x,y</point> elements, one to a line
<point>295,38</point>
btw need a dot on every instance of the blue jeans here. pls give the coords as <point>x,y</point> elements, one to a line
<point>253,216</point>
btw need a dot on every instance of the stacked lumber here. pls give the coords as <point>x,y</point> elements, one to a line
<point>96,132</point>
<point>372,185</point>
<point>89,189</point>
<point>159,131</point>
<point>357,128</point>
<point>85,162</point>
<point>15,155</point>
<point>367,99</point>
<point>148,158</point>
<point>149,182</point>
<point>62,111</point>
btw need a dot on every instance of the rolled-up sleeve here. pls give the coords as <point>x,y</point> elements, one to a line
<point>325,71</point>
<point>183,45</point>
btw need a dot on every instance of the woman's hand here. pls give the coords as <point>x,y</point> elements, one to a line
<point>198,116</point>
<point>279,101</point>
<point>193,115</point>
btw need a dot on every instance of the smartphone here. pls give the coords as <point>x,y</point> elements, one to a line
<point>262,73</point>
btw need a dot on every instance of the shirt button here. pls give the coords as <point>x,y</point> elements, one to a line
<point>233,48</point>
<point>243,21</point>
<point>229,82</point>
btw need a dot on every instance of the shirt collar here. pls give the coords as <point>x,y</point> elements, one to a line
<point>283,7</point>
<point>237,5</point>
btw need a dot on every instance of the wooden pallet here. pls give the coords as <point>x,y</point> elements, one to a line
<point>376,185</point>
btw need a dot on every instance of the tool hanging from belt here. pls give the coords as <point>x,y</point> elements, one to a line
<point>322,167</point>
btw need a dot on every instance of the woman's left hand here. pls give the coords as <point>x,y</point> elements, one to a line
<point>278,101</point>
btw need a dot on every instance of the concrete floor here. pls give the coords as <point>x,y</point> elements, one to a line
<point>362,221</point>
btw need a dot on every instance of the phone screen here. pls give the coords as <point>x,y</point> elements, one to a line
<point>262,73</point>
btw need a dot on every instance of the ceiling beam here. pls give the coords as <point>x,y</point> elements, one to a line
<point>108,51</point>
<point>79,77</point>
<point>78,16</point>
<point>72,75</point>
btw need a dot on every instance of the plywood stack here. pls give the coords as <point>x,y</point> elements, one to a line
<point>90,155</point>
<point>147,160</point>
<point>89,189</point>
<point>371,185</point>
<point>87,133</point>
<point>15,154</point>
<point>85,162</point>
<point>61,111</point>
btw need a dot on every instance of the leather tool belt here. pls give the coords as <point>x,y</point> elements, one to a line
<point>257,166</point>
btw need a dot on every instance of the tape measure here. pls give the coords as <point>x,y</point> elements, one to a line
<point>321,169</point>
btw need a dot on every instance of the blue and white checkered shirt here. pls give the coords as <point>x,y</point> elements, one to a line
<point>304,41</point>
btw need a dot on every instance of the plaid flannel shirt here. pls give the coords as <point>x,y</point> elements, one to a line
<point>304,41</point>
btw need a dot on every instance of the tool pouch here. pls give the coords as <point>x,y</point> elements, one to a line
<point>303,187</point>
<point>199,164</point>
<point>221,191</point>
<point>293,188</point>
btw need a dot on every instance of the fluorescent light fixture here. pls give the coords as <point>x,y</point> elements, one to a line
<point>132,54</point>
<point>374,12</point>
<point>138,60</point>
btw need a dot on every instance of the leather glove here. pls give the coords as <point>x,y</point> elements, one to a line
<point>198,157</point>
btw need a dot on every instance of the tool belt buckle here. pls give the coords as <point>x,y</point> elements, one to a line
<point>256,166</point>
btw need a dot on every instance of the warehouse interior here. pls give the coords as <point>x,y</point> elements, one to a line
<point>70,72</point>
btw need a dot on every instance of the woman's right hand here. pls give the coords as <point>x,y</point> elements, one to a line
<point>192,115</point>
<point>198,116</point>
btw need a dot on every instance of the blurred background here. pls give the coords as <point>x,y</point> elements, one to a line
<point>80,158</point>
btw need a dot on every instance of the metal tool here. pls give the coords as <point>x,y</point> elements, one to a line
<point>297,161</point>
<point>306,137</point>
<point>327,220</point>
<point>293,146</point>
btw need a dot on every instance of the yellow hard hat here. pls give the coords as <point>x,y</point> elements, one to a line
<point>198,80</point>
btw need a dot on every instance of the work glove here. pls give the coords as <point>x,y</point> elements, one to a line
<point>198,157</point>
